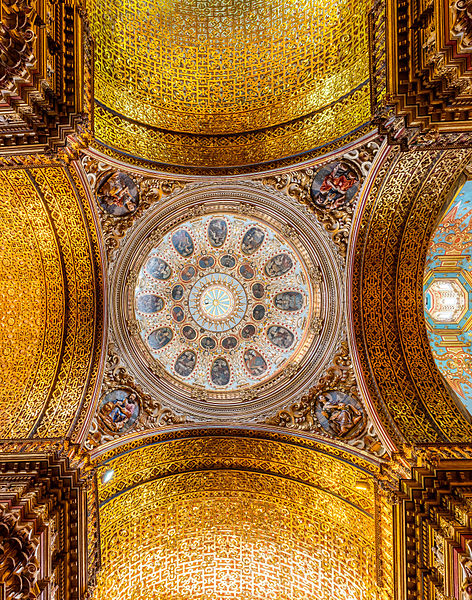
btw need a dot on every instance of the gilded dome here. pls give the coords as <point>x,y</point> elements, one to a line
<point>228,83</point>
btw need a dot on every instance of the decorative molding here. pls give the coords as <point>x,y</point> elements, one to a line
<point>344,418</point>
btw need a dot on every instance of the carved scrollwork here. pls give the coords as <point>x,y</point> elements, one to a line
<point>330,191</point>
<point>122,198</point>
<point>19,567</point>
<point>333,408</point>
<point>124,406</point>
<point>16,40</point>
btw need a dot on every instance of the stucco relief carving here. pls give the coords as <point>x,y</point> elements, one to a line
<point>330,191</point>
<point>333,408</point>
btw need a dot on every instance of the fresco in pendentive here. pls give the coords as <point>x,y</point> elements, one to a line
<point>448,295</point>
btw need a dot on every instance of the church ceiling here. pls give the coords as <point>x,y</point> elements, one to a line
<point>448,295</point>
<point>271,254</point>
<point>50,324</point>
<point>231,516</point>
<point>401,211</point>
<point>208,84</point>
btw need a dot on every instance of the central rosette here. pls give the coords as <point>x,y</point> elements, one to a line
<point>217,302</point>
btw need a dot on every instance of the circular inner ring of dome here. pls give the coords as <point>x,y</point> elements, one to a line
<point>217,302</point>
<point>224,275</point>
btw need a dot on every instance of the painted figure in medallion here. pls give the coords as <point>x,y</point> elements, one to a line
<point>246,271</point>
<point>160,337</point>
<point>207,343</point>
<point>206,262</point>
<point>228,261</point>
<point>220,373</point>
<point>178,314</point>
<point>252,240</point>
<point>149,303</point>
<point>338,413</point>
<point>258,312</point>
<point>258,290</point>
<point>158,268</point>
<point>334,185</point>
<point>289,301</point>
<point>118,194</point>
<point>189,332</point>
<point>278,265</point>
<point>255,363</point>
<point>119,410</point>
<point>229,343</point>
<point>217,232</point>
<point>248,331</point>
<point>280,336</point>
<point>188,273</point>
<point>177,292</point>
<point>183,243</point>
<point>185,363</point>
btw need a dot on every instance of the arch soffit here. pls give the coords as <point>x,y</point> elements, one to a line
<point>197,467</point>
<point>52,327</point>
<point>395,221</point>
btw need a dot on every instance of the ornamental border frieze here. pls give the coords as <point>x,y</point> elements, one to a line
<point>397,221</point>
<point>250,170</point>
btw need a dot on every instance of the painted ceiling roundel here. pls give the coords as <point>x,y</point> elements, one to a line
<point>224,302</point>
<point>227,301</point>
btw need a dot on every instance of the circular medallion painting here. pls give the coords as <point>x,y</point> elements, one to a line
<point>223,302</point>
<point>119,410</point>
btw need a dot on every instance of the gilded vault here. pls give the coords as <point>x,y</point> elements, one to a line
<point>235,289</point>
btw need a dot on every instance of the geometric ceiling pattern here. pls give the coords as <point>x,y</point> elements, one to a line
<point>51,323</point>
<point>448,294</point>
<point>203,84</point>
<point>240,517</point>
